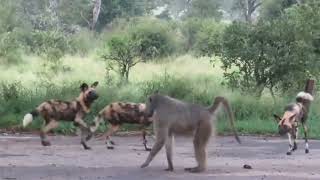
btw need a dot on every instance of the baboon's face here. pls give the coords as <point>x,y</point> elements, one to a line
<point>89,93</point>
<point>150,106</point>
<point>286,123</point>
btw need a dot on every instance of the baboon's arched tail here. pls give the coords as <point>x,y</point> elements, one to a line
<point>227,107</point>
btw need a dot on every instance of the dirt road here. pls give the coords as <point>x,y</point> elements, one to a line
<point>23,158</point>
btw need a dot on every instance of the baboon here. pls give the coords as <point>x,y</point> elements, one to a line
<point>118,113</point>
<point>293,115</point>
<point>53,111</point>
<point>172,116</point>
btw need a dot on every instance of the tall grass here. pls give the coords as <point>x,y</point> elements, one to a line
<point>186,78</point>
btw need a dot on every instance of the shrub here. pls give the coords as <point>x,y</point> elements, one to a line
<point>209,39</point>
<point>83,42</point>
<point>153,39</point>
<point>120,55</point>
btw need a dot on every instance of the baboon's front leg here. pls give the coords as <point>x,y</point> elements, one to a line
<point>161,136</point>
<point>51,125</point>
<point>305,130</point>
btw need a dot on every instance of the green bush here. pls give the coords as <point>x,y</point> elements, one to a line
<point>83,42</point>
<point>276,55</point>
<point>153,39</point>
<point>53,44</point>
<point>10,48</point>
<point>189,29</point>
<point>209,39</point>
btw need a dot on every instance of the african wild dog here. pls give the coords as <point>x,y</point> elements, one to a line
<point>294,114</point>
<point>53,111</point>
<point>118,113</point>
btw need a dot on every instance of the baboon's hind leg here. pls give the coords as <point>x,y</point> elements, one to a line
<point>49,126</point>
<point>200,142</point>
<point>169,144</point>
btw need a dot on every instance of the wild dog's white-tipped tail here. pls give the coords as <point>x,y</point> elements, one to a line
<point>305,95</point>
<point>27,119</point>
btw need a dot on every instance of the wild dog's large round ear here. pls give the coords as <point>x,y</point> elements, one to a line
<point>84,86</point>
<point>292,118</point>
<point>95,84</point>
<point>276,117</point>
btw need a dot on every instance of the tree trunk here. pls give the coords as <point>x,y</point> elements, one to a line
<point>95,13</point>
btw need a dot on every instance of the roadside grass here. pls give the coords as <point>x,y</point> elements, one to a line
<point>184,77</point>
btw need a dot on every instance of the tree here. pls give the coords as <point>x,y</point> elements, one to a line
<point>247,8</point>
<point>278,54</point>
<point>95,13</point>
<point>121,56</point>
<point>271,9</point>
<point>111,9</point>
<point>153,39</point>
<point>209,38</point>
<point>204,9</point>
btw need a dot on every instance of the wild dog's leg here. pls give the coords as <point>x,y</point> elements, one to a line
<point>161,136</point>
<point>169,144</point>
<point>97,120</point>
<point>144,134</point>
<point>49,126</point>
<point>295,139</point>
<point>108,135</point>
<point>305,130</point>
<point>200,141</point>
<point>85,132</point>
<point>290,144</point>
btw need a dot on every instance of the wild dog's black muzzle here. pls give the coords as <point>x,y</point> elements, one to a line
<point>92,95</point>
<point>284,129</point>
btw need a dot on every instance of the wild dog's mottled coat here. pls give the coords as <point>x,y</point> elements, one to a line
<point>53,111</point>
<point>294,114</point>
<point>118,113</point>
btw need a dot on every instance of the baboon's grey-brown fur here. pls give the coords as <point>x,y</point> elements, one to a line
<point>172,116</point>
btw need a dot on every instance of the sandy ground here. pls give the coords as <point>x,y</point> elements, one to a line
<point>23,158</point>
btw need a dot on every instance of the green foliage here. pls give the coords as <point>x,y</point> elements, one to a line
<point>169,85</point>
<point>273,54</point>
<point>121,55</point>
<point>189,29</point>
<point>112,9</point>
<point>153,39</point>
<point>209,39</point>
<point>203,36</point>
<point>52,45</point>
<point>10,32</point>
<point>205,9</point>
<point>10,48</point>
<point>274,8</point>
<point>75,12</point>
<point>83,42</point>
